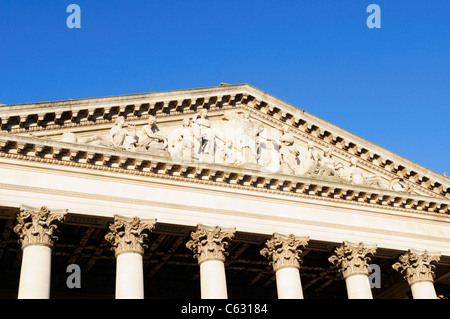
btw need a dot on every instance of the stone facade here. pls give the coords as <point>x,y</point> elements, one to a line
<point>221,162</point>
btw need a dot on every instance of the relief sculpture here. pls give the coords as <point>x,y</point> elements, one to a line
<point>357,176</point>
<point>289,152</point>
<point>182,142</point>
<point>237,139</point>
<point>248,140</point>
<point>149,137</point>
<point>204,137</point>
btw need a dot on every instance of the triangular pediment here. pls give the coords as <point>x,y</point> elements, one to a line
<point>235,126</point>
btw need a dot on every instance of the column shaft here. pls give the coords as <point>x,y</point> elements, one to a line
<point>283,253</point>
<point>358,287</point>
<point>213,282</point>
<point>129,276</point>
<point>289,285</point>
<point>423,290</point>
<point>35,273</point>
<point>209,247</point>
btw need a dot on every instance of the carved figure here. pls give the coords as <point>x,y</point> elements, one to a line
<point>356,175</point>
<point>248,140</point>
<point>149,138</point>
<point>120,137</point>
<point>288,152</point>
<point>328,166</point>
<point>268,150</point>
<point>182,142</point>
<point>204,137</point>
<point>312,160</point>
<point>398,184</point>
<point>227,140</point>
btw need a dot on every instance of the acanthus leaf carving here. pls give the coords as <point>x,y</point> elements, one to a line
<point>129,235</point>
<point>210,243</point>
<point>352,258</point>
<point>38,226</point>
<point>417,266</point>
<point>284,251</point>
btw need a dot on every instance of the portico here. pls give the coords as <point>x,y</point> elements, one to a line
<point>285,209</point>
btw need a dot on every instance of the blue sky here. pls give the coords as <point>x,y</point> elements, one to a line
<point>390,86</point>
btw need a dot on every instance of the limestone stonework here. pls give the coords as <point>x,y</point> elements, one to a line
<point>38,226</point>
<point>352,259</point>
<point>210,243</point>
<point>129,235</point>
<point>284,251</point>
<point>417,266</point>
<point>230,155</point>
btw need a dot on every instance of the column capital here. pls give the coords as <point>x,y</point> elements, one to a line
<point>38,226</point>
<point>416,266</point>
<point>284,251</point>
<point>352,259</point>
<point>210,243</point>
<point>129,234</point>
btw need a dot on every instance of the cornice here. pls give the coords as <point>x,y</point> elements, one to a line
<point>51,152</point>
<point>60,115</point>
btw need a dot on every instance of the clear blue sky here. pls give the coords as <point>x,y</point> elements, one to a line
<point>390,85</point>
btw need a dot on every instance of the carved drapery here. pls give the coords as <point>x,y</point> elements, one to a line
<point>417,266</point>
<point>284,251</point>
<point>210,243</point>
<point>38,226</point>
<point>129,235</point>
<point>352,259</point>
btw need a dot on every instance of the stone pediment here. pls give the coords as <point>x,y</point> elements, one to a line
<point>233,126</point>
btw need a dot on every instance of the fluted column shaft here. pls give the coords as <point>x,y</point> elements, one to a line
<point>284,254</point>
<point>37,230</point>
<point>128,238</point>
<point>352,261</point>
<point>418,270</point>
<point>209,246</point>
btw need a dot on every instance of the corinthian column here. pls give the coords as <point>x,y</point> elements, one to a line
<point>352,261</point>
<point>418,270</point>
<point>209,247</point>
<point>284,254</point>
<point>37,230</point>
<point>128,239</point>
